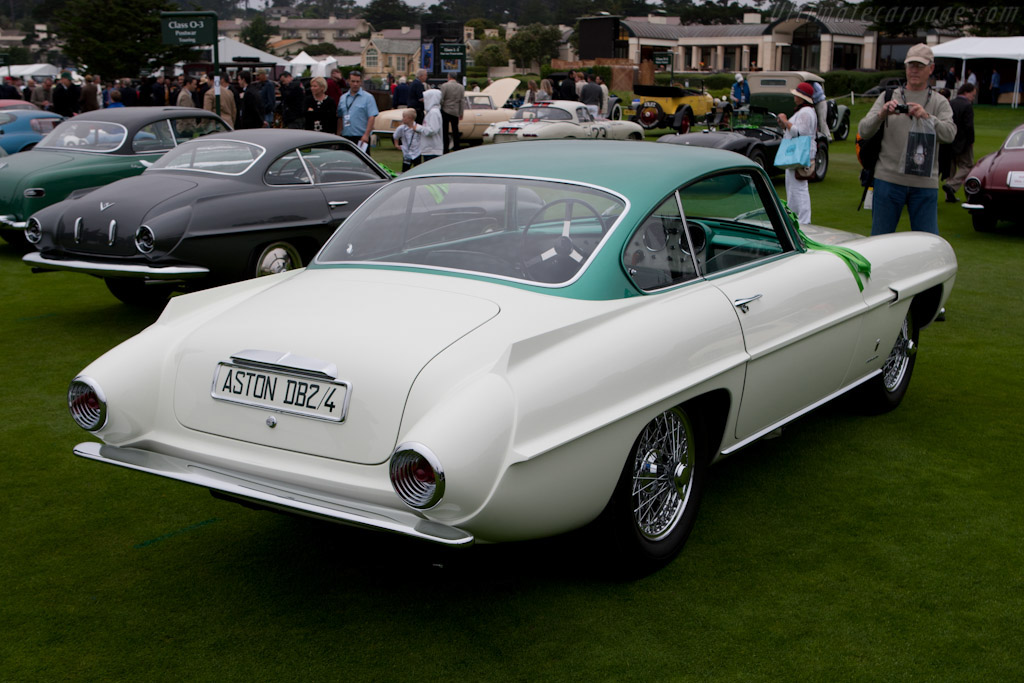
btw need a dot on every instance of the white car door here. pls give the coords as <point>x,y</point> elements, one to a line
<point>800,312</point>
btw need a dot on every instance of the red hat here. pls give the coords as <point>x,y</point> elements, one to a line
<point>804,91</point>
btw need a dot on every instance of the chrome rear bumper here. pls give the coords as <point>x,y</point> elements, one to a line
<point>9,221</point>
<point>307,503</point>
<point>38,261</point>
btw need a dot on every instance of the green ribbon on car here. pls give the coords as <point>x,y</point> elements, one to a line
<point>856,262</point>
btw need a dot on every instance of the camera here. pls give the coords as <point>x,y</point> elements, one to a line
<point>901,109</point>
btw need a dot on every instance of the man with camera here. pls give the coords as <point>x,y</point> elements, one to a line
<point>914,120</point>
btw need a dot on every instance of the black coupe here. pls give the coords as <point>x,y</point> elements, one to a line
<point>218,209</point>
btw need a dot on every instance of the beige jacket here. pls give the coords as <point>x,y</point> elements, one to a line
<point>227,105</point>
<point>897,130</point>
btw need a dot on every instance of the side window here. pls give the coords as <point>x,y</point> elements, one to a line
<point>156,137</point>
<point>336,163</point>
<point>738,219</point>
<point>658,254</point>
<point>288,170</point>
<point>583,114</point>
<point>190,128</point>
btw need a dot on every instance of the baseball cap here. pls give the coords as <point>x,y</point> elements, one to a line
<point>920,53</point>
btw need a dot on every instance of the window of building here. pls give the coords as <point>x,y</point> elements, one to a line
<point>372,57</point>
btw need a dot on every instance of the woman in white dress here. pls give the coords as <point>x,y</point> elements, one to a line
<point>803,122</point>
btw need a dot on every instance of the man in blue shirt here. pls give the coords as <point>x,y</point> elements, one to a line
<point>356,113</point>
<point>740,92</point>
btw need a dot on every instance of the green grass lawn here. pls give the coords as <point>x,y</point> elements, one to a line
<point>850,549</point>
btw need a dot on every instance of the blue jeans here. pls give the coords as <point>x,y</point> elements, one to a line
<point>889,199</point>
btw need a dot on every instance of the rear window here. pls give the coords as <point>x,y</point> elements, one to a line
<point>86,136</point>
<point>224,157</point>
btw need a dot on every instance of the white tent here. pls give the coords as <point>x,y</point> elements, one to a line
<point>1011,47</point>
<point>302,59</point>
<point>323,67</point>
<point>34,71</point>
<point>228,49</point>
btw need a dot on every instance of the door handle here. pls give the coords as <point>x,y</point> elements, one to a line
<point>335,205</point>
<point>742,304</point>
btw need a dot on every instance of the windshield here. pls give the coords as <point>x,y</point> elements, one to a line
<point>541,114</point>
<point>88,136</point>
<point>532,230</point>
<point>224,157</point>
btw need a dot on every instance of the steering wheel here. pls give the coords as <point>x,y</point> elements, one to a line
<point>564,248</point>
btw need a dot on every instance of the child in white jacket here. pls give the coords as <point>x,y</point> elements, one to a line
<point>431,141</point>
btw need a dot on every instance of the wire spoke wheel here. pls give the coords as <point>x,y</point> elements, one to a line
<point>663,470</point>
<point>896,365</point>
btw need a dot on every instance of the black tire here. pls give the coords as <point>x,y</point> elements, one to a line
<point>683,120</point>
<point>650,116</point>
<point>758,156</point>
<point>16,238</point>
<point>136,292</point>
<point>843,131</point>
<point>820,162</point>
<point>886,391</point>
<point>277,257</point>
<point>654,506</point>
<point>983,221</point>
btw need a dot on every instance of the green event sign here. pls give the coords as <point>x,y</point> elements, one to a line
<point>189,28</point>
<point>3,59</point>
<point>662,58</point>
<point>452,57</point>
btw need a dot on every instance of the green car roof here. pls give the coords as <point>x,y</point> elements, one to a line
<point>644,173</point>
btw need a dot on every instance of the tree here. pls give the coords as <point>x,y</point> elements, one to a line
<point>494,53</point>
<point>257,33</point>
<point>534,43</point>
<point>384,14</point>
<point>84,26</point>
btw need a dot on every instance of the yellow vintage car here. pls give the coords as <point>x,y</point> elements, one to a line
<point>669,106</point>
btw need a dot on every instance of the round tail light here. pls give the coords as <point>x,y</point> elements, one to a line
<point>87,403</point>
<point>417,476</point>
<point>34,231</point>
<point>972,185</point>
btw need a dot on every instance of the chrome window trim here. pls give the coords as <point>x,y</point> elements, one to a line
<point>121,145</point>
<point>263,151</point>
<point>627,205</point>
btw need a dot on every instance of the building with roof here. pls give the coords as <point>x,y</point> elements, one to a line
<point>382,56</point>
<point>306,31</point>
<point>794,41</point>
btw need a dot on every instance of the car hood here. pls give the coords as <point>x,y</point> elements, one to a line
<point>501,90</point>
<point>379,336</point>
<point>17,170</point>
<point>716,140</point>
<point>125,202</point>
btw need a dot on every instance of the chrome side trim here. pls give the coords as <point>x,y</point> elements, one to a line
<point>972,207</point>
<point>112,233</point>
<point>786,420</point>
<point>37,260</point>
<point>78,230</point>
<point>352,513</point>
<point>9,221</point>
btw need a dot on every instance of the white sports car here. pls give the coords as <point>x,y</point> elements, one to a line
<point>557,119</point>
<point>489,349</point>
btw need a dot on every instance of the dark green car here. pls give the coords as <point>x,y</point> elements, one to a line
<point>88,151</point>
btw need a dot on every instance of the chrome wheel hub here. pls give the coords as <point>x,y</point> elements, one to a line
<point>663,475</point>
<point>895,368</point>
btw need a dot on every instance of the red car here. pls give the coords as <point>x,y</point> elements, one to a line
<point>16,104</point>
<point>995,187</point>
